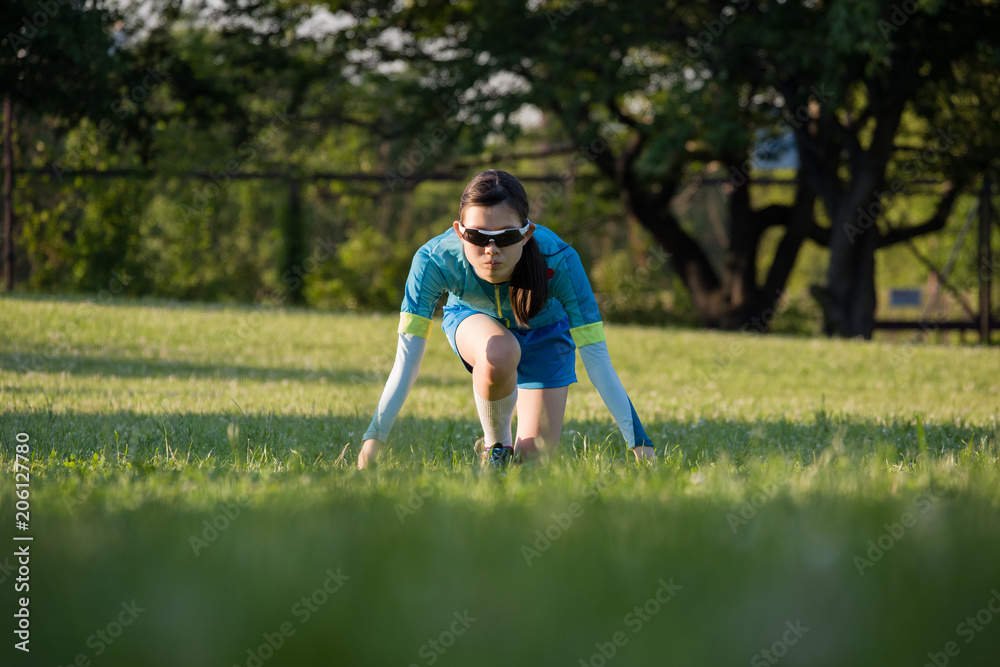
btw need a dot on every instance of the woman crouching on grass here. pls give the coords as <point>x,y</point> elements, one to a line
<point>519,305</point>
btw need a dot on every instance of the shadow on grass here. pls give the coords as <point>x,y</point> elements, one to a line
<point>235,436</point>
<point>124,367</point>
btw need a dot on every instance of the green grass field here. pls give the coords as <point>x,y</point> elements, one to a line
<point>814,502</point>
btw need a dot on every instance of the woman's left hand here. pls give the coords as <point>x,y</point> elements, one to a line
<point>369,450</point>
<point>644,453</point>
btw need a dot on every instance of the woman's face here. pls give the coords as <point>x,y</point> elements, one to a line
<point>493,264</point>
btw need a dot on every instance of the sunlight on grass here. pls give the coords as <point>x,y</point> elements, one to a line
<point>200,461</point>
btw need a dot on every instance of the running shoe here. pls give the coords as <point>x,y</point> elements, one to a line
<point>496,456</point>
<point>499,456</point>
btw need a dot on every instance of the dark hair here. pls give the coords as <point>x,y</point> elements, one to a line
<point>529,284</point>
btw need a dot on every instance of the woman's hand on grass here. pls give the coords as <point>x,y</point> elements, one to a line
<point>644,453</point>
<point>369,450</point>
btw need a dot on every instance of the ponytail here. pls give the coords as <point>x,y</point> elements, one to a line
<point>529,284</point>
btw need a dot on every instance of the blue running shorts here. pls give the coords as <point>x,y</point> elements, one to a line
<point>548,354</point>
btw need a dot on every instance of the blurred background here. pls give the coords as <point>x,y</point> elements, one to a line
<point>808,167</point>
<point>801,166</point>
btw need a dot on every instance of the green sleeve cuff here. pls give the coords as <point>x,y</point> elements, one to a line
<point>414,324</point>
<point>588,333</point>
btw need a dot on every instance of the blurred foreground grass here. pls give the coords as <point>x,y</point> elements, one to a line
<point>815,502</point>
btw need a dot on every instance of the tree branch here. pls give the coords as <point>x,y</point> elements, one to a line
<point>933,224</point>
<point>621,115</point>
<point>787,216</point>
<point>772,216</point>
<point>819,235</point>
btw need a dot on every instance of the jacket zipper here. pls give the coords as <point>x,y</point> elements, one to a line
<point>496,289</point>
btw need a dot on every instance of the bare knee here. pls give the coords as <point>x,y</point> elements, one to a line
<point>499,358</point>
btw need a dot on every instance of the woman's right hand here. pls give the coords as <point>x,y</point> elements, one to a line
<point>369,450</point>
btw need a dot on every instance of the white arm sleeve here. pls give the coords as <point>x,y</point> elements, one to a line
<point>409,354</point>
<point>602,374</point>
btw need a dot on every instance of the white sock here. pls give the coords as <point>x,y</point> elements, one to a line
<point>495,417</point>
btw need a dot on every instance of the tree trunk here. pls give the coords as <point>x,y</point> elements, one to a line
<point>8,194</point>
<point>861,314</point>
<point>651,208</point>
<point>739,279</point>
<point>850,291</point>
<point>690,263</point>
<point>800,224</point>
<point>294,268</point>
<point>735,301</point>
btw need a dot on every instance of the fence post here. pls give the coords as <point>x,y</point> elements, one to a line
<point>293,239</point>
<point>985,262</point>
<point>8,194</point>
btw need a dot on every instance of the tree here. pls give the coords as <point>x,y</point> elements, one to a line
<point>846,76</point>
<point>241,70</point>
<point>653,91</point>
<point>57,58</point>
<point>610,74</point>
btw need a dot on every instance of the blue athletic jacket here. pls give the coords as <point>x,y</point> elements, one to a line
<point>440,267</point>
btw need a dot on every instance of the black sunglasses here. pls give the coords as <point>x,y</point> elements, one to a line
<point>501,238</point>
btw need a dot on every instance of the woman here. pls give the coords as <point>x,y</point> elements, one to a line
<point>519,305</point>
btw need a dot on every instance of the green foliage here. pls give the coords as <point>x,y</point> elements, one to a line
<point>368,273</point>
<point>61,58</point>
<point>199,94</point>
